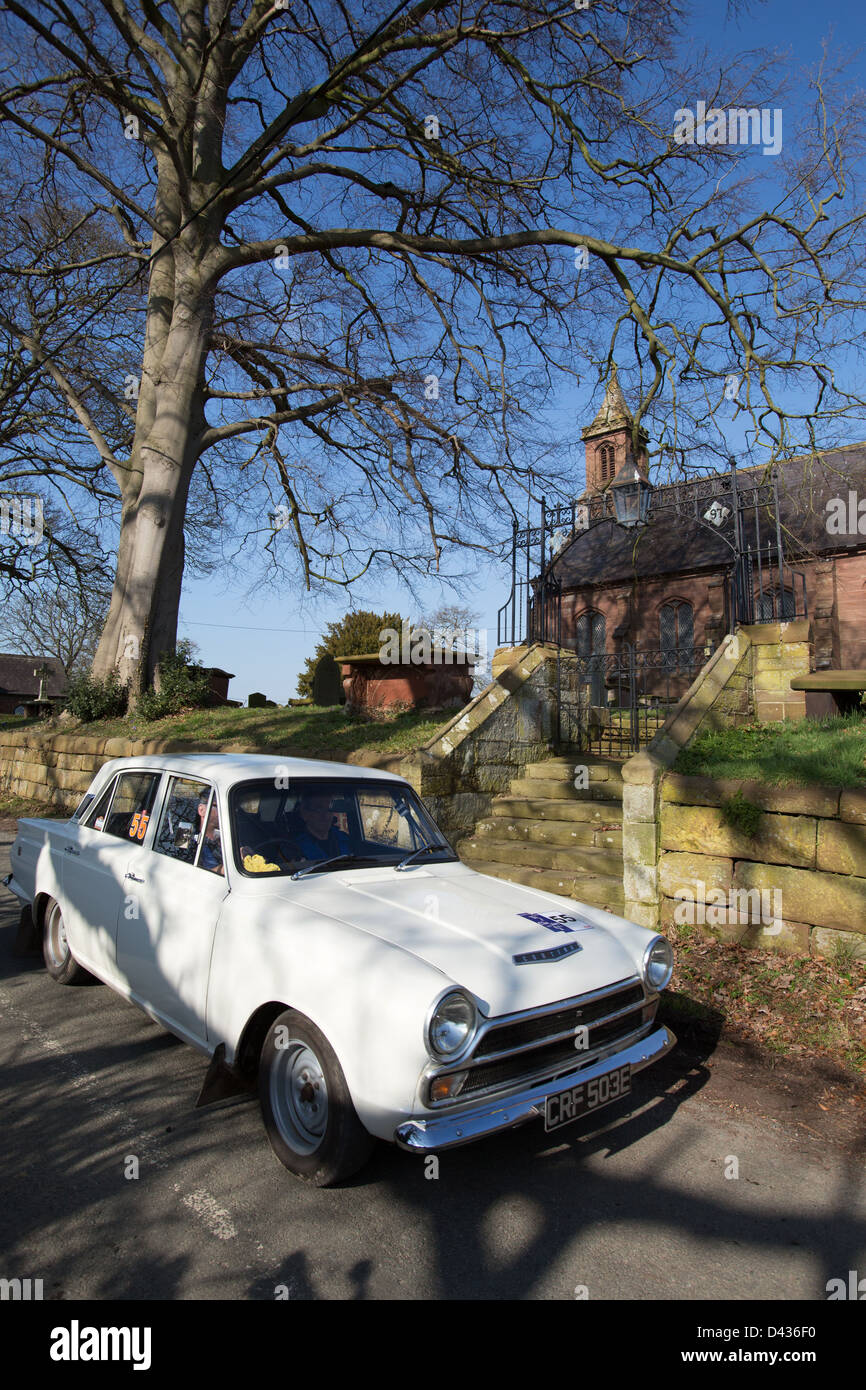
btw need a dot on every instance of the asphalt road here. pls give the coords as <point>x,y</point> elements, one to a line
<point>637,1207</point>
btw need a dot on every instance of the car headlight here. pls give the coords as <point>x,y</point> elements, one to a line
<point>451,1024</point>
<point>658,963</point>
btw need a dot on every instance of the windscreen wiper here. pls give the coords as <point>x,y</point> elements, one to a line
<point>425,849</point>
<point>326,863</point>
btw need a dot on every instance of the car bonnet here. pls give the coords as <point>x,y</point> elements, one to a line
<point>513,947</point>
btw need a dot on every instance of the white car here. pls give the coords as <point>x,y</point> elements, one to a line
<point>308,927</point>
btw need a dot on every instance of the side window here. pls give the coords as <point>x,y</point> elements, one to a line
<point>132,804</point>
<point>81,809</point>
<point>189,828</point>
<point>97,813</point>
<point>381,821</point>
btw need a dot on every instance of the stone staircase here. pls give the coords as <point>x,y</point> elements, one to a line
<point>549,834</point>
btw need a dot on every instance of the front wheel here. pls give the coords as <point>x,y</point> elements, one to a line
<point>59,960</point>
<point>306,1105</point>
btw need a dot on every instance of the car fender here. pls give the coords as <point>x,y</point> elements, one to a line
<point>370,998</point>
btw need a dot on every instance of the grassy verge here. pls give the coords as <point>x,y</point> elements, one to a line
<point>309,728</point>
<point>791,1006</point>
<point>16,807</point>
<point>829,752</point>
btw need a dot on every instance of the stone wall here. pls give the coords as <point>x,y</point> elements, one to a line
<point>797,885</point>
<point>780,651</point>
<point>57,769</point>
<point>747,678</point>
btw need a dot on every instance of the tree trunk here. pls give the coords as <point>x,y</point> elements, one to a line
<point>142,621</point>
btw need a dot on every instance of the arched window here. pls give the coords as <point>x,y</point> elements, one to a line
<point>591,640</point>
<point>775,606</point>
<point>677,633</point>
<point>591,633</point>
<point>606,463</point>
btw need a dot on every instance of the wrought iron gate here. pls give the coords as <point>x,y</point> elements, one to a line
<point>610,703</point>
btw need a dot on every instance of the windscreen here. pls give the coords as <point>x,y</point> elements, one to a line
<point>315,821</point>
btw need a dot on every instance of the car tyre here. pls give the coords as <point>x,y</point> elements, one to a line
<point>306,1106</point>
<point>59,960</point>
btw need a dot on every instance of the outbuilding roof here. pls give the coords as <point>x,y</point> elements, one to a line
<point>17,678</point>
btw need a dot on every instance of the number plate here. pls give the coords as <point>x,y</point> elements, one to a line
<point>569,1105</point>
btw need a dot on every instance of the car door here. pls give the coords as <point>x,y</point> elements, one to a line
<point>94,867</point>
<point>175,885</point>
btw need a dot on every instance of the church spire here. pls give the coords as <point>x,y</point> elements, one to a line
<point>609,439</point>
<point>613,412</point>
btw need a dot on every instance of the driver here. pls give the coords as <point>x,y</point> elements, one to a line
<point>319,837</point>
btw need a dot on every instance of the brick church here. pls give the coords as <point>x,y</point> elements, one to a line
<point>666,585</point>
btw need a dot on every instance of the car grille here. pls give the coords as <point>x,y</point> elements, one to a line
<point>509,1036</point>
<point>543,1044</point>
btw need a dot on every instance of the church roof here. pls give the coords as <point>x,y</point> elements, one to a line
<point>673,543</point>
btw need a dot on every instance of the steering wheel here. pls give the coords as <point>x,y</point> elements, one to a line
<point>276,849</point>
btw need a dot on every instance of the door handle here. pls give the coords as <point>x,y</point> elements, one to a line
<point>134,878</point>
<point>69,849</point>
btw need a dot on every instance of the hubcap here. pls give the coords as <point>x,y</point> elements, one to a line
<point>58,947</point>
<point>299,1096</point>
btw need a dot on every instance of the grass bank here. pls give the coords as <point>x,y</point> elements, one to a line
<point>303,729</point>
<point>808,752</point>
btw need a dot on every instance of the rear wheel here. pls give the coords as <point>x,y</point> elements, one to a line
<point>59,960</point>
<point>306,1105</point>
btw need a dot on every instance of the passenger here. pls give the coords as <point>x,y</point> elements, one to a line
<point>211,856</point>
<point>319,838</point>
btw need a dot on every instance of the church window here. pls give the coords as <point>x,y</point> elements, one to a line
<point>775,606</point>
<point>677,633</point>
<point>590,634</point>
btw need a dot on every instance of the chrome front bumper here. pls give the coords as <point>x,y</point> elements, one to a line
<point>446,1131</point>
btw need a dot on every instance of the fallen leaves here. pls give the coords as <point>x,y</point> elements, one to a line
<point>790,1005</point>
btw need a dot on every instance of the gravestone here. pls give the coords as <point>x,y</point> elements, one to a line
<point>327,682</point>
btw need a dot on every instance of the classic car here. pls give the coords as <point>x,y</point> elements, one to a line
<point>308,927</point>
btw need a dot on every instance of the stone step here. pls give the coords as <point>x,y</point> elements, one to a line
<point>614,748</point>
<point>594,810</point>
<point>573,859</point>
<point>597,891</point>
<point>563,769</point>
<point>551,789</point>
<point>606,835</point>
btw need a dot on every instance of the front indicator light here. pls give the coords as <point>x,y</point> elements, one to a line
<point>447,1087</point>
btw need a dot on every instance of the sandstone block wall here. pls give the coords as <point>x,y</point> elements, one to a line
<point>57,769</point>
<point>797,885</point>
<point>747,678</point>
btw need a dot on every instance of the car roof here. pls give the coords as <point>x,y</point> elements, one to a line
<point>227,768</point>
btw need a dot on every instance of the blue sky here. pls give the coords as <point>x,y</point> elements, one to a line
<point>265,639</point>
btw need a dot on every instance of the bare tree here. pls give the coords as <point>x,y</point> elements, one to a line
<point>65,623</point>
<point>58,273</point>
<point>373,239</point>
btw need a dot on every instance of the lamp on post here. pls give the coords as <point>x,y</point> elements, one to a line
<point>632,495</point>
